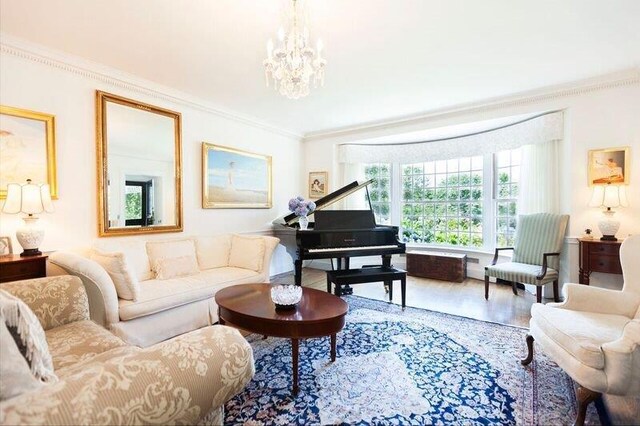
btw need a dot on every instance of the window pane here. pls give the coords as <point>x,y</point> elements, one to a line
<point>380,189</point>
<point>507,176</point>
<point>444,214</point>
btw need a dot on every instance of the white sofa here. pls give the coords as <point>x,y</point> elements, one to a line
<point>163,306</point>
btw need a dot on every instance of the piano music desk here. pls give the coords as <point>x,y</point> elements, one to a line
<point>386,274</point>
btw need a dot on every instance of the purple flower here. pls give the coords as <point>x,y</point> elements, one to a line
<point>300,198</point>
<point>311,206</point>
<point>293,203</point>
<point>301,211</point>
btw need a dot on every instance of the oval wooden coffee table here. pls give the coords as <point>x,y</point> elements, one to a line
<point>249,307</point>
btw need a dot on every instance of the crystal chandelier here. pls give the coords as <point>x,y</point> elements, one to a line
<point>294,65</point>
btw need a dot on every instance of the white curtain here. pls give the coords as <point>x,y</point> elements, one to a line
<point>539,188</point>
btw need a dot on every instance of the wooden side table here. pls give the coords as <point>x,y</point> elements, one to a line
<point>598,256</point>
<point>13,267</point>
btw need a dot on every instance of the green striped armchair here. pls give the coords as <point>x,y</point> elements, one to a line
<point>536,254</point>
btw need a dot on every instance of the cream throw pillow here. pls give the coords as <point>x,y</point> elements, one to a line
<point>136,253</point>
<point>18,315</point>
<point>213,252</point>
<point>121,273</point>
<point>15,375</point>
<point>174,267</point>
<point>159,251</point>
<point>247,252</point>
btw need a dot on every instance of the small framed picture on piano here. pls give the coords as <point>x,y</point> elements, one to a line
<point>318,184</point>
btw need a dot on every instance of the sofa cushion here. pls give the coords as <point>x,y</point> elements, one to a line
<point>117,266</point>
<point>160,295</point>
<point>79,341</point>
<point>134,250</point>
<point>213,252</point>
<point>174,267</point>
<point>581,334</point>
<point>247,252</point>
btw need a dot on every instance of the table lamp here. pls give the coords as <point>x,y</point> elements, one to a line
<point>609,196</point>
<point>31,199</point>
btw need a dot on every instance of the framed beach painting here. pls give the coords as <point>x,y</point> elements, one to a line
<point>235,179</point>
<point>318,184</point>
<point>609,166</point>
<point>27,147</point>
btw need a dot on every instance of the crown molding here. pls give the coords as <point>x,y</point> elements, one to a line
<point>623,78</point>
<point>23,49</point>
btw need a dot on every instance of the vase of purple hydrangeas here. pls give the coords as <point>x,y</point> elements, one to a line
<point>301,208</point>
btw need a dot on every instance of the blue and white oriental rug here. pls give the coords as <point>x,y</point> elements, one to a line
<point>412,367</point>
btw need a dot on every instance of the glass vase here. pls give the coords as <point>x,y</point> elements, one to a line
<point>304,222</point>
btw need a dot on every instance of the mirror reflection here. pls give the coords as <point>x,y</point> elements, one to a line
<point>141,174</point>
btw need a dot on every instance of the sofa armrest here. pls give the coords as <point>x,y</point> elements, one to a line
<point>175,382</point>
<point>579,297</point>
<point>622,361</point>
<point>103,299</point>
<point>270,244</point>
<point>54,300</point>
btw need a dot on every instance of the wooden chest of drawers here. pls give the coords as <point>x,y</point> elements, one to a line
<point>437,265</point>
<point>598,256</point>
<point>14,268</point>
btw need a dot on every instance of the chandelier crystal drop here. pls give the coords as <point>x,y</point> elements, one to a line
<point>294,65</point>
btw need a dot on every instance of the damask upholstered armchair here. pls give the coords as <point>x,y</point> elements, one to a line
<point>594,335</point>
<point>103,380</point>
<point>536,254</point>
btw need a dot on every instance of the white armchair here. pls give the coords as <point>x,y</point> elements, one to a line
<point>594,335</point>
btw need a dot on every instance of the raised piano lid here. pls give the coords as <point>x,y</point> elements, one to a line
<point>326,201</point>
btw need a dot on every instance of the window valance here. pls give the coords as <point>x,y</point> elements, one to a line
<point>541,128</point>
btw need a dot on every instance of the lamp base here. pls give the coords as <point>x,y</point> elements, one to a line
<point>30,252</point>
<point>608,226</point>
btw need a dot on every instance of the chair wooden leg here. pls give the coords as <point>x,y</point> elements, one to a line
<point>585,397</point>
<point>539,293</point>
<point>514,287</point>
<point>556,296</point>
<point>486,287</point>
<point>529,358</point>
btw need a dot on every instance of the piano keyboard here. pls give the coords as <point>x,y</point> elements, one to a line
<point>321,250</point>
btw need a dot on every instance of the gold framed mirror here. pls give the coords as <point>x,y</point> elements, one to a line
<point>139,154</point>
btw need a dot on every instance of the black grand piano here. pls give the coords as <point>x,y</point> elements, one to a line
<point>342,234</point>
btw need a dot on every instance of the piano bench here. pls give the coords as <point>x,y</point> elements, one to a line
<point>386,274</point>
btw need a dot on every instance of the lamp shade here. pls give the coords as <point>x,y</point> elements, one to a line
<point>29,198</point>
<point>609,196</point>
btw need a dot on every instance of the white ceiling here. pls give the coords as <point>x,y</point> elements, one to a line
<point>386,58</point>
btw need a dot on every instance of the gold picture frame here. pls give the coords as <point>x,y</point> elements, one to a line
<point>28,148</point>
<point>105,228</point>
<point>318,184</point>
<point>235,179</point>
<point>609,166</point>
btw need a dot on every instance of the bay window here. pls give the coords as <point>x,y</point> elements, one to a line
<point>466,202</point>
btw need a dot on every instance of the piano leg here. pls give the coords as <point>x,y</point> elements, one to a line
<point>298,271</point>
<point>347,289</point>
<point>386,262</point>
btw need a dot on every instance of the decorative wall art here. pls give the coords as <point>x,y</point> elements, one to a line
<point>609,166</point>
<point>232,178</point>
<point>27,143</point>
<point>318,184</point>
<point>5,246</point>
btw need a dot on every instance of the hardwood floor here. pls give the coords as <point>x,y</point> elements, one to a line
<point>467,299</point>
<point>464,299</point>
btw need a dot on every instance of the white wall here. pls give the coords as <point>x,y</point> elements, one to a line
<point>70,96</point>
<point>602,118</point>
